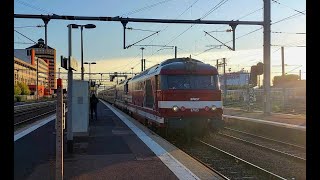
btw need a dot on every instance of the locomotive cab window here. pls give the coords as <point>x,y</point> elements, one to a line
<point>192,82</point>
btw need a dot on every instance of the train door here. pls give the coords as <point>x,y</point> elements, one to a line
<point>149,99</point>
<point>156,89</point>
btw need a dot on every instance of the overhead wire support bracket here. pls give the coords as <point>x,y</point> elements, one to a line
<point>130,28</point>
<point>233,26</point>
<point>141,39</point>
<point>219,41</point>
<point>155,45</point>
<point>124,24</point>
<point>46,21</point>
<point>164,48</point>
<point>215,46</point>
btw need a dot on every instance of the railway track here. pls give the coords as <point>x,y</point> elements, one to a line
<point>25,114</point>
<point>226,164</point>
<point>21,109</point>
<point>31,116</point>
<point>293,151</point>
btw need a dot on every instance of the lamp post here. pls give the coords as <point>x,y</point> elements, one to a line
<point>132,72</point>
<point>101,79</point>
<point>69,101</point>
<point>90,68</point>
<point>87,26</point>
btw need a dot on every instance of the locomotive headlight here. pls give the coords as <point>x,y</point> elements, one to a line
<point>175,108</point>
<point>213,108</point>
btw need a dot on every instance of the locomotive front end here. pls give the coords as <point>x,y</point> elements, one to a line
<point>190,97</point>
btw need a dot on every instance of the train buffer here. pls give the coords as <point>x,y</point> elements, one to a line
<point>121,148</point>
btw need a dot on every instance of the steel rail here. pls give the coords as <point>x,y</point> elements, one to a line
<point>241,160</point>
<point>266,138</point>
<point>265,147</point>
<point>32,118</point>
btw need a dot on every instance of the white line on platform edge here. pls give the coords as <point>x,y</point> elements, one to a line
<point>34,127</point>
<point>173,164</point>
<point>303,128</point>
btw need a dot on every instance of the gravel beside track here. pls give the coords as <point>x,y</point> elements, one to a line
<point>291,150</point>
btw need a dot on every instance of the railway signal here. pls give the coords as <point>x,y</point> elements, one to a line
<point>253,75</point>
<point>260,68</point>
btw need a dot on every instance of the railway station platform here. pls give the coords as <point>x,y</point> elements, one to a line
<point>118,147</point>
<point>290,119</point>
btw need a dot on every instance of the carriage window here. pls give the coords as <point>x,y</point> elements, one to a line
<point>149,100</point>
<point>157,82</point>
<point>126,88</point>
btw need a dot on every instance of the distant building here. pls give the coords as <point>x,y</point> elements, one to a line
<point>235,78</point>
<point>25,70</point>
<point>47,54</point>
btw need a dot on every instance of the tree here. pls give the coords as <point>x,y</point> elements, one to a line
<point>17,90</point>
<point>278,80</point>
<point>253,75</point>
<point>259,68</point>
<point>24,88</point>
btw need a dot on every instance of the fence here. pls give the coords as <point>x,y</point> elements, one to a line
<point>23,98</point>
<point>285,100</point>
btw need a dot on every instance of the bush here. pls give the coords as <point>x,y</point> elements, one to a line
<point>24,88</point>
<point>17,90</point>
<point>276,108</point>
<point>18,98</point>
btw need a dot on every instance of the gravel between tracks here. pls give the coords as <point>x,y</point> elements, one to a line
<point>275,163</point>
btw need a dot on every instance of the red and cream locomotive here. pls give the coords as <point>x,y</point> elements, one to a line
<point>181,93</point>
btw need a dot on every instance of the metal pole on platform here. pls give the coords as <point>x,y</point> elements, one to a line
<point>175,51</point>
<point>266,55</point>
<point>59,131</point>
<point>142,59</point>
<point>225,80</point>
<point>37,88</point>
<point>69,120</point>
<point>283,74</point>
<point>82,70</point>
<point>89,71</point>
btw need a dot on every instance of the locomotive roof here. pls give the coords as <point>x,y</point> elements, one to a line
<point>174,63</point>
<point>175,60</point>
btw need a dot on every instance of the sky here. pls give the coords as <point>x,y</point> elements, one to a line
<point>104,44</point>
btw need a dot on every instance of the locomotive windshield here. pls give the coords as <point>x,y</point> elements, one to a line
<point>191,82</point>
